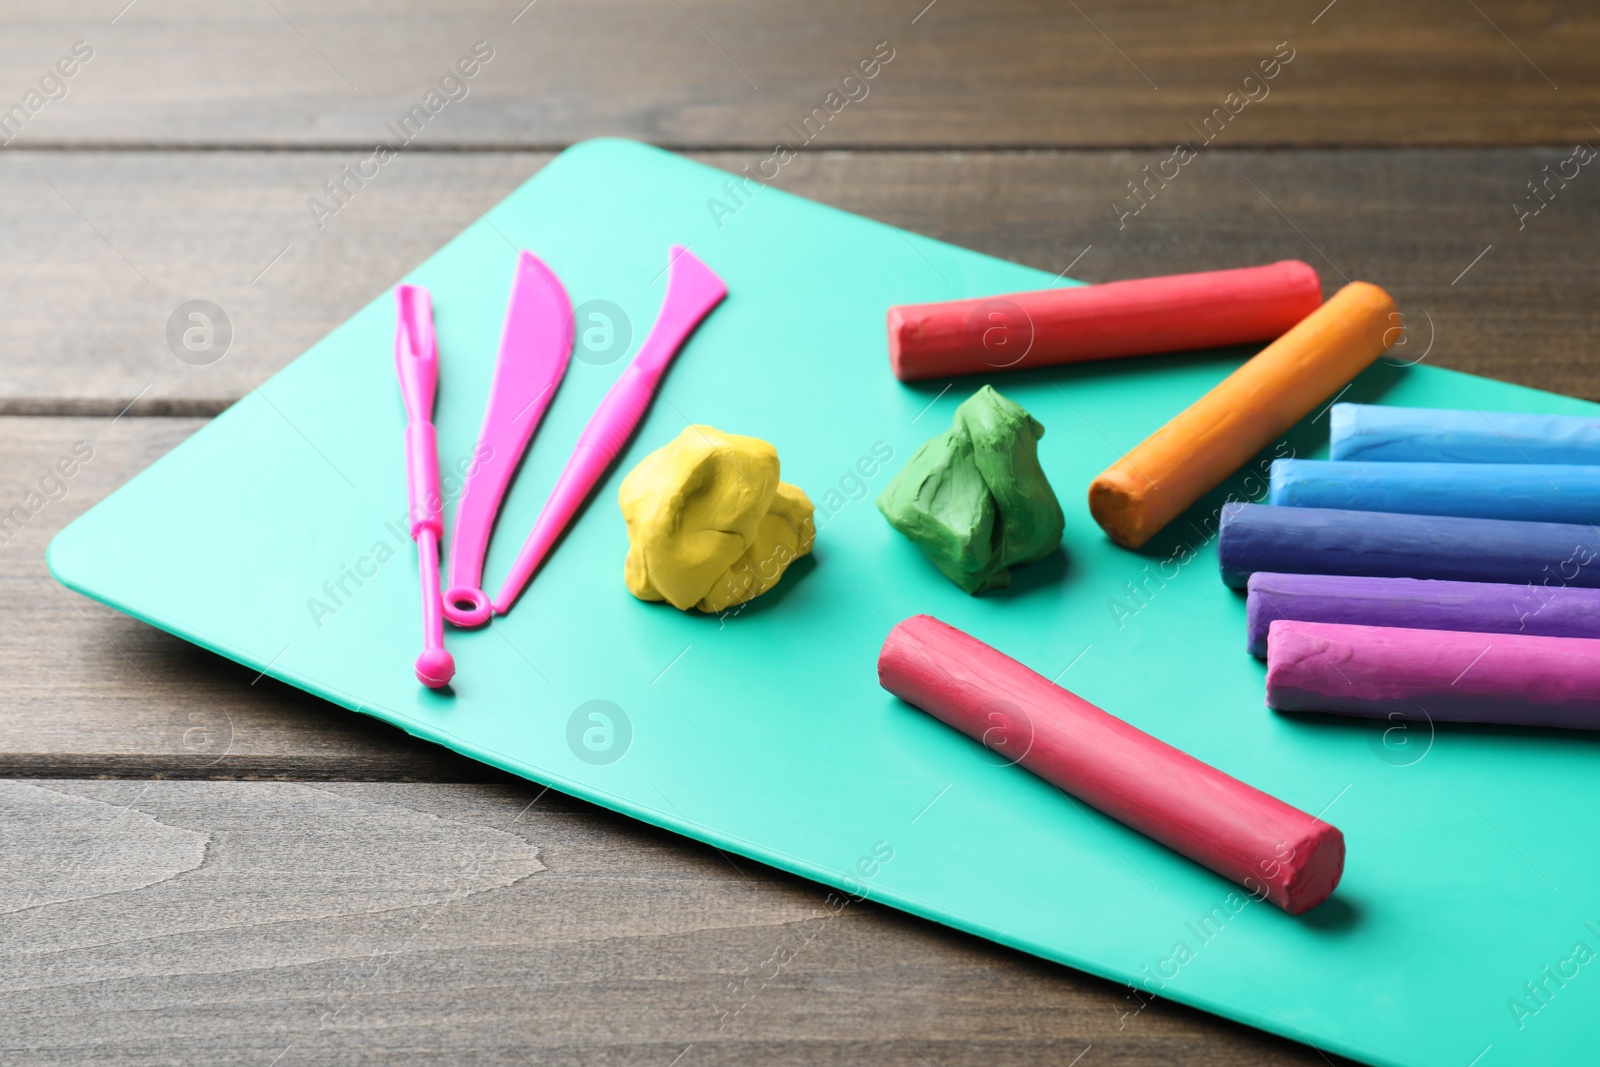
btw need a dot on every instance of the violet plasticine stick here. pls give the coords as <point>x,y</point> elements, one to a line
<point>1554,493</point>
<point>1276,851</point>
<point>1260,537</point>
<point>1430,435</point>
<point>1434,675</point>
<point>1537,610</point>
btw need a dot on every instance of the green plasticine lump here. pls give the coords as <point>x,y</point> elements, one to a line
<point>974,499</point>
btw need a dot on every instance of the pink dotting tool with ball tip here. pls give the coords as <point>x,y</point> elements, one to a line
<point>535,348</point>
<point>692,291</point>
<point>416,360</point>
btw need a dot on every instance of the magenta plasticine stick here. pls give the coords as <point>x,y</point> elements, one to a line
<point>692,291</point>
<point>1434,675</point>
<point>1137,317</point>
<point>416,360</point>
<point>1285,855</point>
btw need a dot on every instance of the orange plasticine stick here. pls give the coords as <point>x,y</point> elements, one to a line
<point>1248,410</point>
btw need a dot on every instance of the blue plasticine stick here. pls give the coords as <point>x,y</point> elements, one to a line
<point>1261,537</point>
<point>1555,493</point>
<point>1439,435</point>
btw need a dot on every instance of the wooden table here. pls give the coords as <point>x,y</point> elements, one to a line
<point>202,866</point>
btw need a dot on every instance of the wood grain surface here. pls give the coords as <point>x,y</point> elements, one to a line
<point>290,923</point>
<point>198,865</point>
<point>710,73</point>
<point>135,236</point>
<point>91,691</point>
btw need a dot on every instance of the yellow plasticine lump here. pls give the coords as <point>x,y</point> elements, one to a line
<point>709,523</point>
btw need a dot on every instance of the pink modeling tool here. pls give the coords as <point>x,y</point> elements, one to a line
<point>535,348</point>
<point>416,359</point>
<point>692,291</point>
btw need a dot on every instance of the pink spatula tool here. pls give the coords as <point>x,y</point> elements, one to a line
<point>535,348</point>
<point>416,360</point>
<point>692,291</point>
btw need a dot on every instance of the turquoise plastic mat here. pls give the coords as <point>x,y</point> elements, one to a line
<point>1462,927</point>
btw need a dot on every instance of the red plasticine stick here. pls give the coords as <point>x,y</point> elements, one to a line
<point>1140,317</point>
<point>1277,852</point>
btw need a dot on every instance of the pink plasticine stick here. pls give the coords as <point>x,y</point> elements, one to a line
<point>535,348</point>
<point>1434,675</point>
<point>692,291</point>
<point>1278,852</point>
<point>416,360</point>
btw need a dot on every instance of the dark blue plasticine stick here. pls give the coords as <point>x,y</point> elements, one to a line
<point>1260,537</point>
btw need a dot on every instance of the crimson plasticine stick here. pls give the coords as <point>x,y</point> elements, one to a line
<point>1278,852</point>
<point>1138,317</point>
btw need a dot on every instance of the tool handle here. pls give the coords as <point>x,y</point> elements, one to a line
<point>614,421</point>
<point>692,291</point>
<point>435,666</point>
<point>416,361</point>
<point>535,348</point>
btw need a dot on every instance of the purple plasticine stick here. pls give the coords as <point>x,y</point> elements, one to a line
<point>1538,610</point>
<point>1434,675</point>
<point>692,291</point>
<point>416,361</point>
<point>535,348</point>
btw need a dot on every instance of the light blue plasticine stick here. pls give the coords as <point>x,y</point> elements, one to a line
<point>1440,435</point>
<point>1553,493</point>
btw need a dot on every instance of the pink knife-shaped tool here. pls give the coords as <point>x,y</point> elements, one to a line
<point>416,360</point>
<point>535,348</point>
<point>692,291</point>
